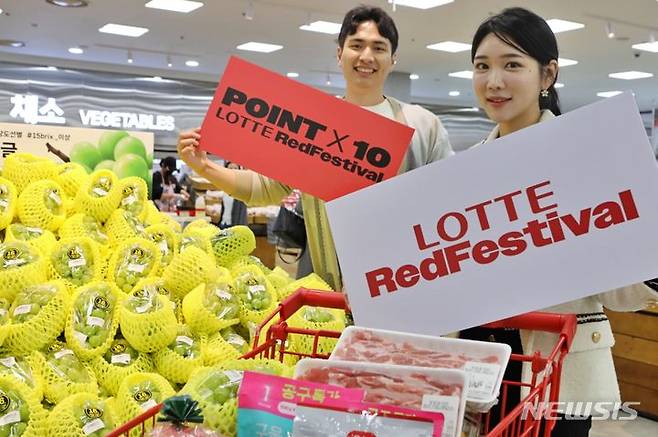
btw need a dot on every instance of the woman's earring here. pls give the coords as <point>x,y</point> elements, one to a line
<point>544,93</point>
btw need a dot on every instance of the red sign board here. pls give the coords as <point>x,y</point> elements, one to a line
<point>298,135</point>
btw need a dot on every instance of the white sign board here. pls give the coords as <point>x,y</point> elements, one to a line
<point>552,213</point>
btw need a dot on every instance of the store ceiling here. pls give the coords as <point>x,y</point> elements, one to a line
<point>210,34</point>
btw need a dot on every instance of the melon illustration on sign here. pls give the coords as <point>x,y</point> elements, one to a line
<point>108,142</point>
<point>86,154</point>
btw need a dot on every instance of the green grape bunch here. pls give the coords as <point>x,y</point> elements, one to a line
<point>221,300</point>
<point>29,302</point>
<point>25,233</point>
<point>74,262</point>
<point>5,198</point>
<point>53,200</point>
<point>120,353</point>
<point>135,264</point>
<point>144,300</point>
<point>92,315</point>
<point>186,347</point>
<point>317,315</point>
<point>66,365</point>
<point>101,187</point>
<point>90,417</point>
<point>94,230</point>
<point>14,412</point>
<point>15,254</point>
<point>219,386</point>
<point>252,290</point>
<point>235,340</point>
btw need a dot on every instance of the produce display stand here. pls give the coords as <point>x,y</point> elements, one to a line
<point>544,385</point>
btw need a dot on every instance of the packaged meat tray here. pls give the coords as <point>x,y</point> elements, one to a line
<point>483,362</point>
<point>419,388</point>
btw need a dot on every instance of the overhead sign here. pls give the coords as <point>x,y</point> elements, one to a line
<point>552,213</point>
<point>298,135</point>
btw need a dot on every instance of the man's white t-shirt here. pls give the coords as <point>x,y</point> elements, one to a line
<point>384,108</point>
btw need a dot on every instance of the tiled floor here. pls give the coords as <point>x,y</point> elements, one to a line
<point>639,427</point>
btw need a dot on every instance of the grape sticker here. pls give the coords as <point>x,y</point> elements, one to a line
<point>5,402</point>
<point>142,396</point>
<point>93,413</point>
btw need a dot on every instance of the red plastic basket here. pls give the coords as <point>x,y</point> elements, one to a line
<point>546,370</point>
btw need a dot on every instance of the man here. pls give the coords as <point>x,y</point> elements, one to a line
<point>368,41</point>
<point>166,189</point>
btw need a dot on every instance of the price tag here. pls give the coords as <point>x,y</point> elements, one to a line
<point>223,294</point>
<point>55,198</point>
<point>8,361</point>
<point>22,309</point>
<point>121,359</point>
<point>34,230</point>
<point>3,312</point>
<point>129,200</point>
<point>4,203</point>
<point>100,192</point>
<point>95,321</point>
<point>14,262</point>
<point>164,247</point>
<point>148,404</point>
<point>144,308</point>
<point>448,405</point>
<point>137,268</point>
<point>9,418</point>
<point>233,376</point>
<point>82,338</point>
<point>257,288</point>
<point>63,353</point>
<point>77,262</point>
<point>93,426</point>
<point>185,339</point>
<point>482,378</point>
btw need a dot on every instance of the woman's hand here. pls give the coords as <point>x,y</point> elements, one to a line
<point>188,150</point>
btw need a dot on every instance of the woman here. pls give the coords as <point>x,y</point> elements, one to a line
<point>234,211</point>
<point>166,189</point>
<point>514,57</point>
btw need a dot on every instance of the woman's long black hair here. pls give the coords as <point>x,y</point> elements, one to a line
<point>528,33</point>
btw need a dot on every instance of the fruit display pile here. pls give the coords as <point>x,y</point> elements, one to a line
<point>108,306</point>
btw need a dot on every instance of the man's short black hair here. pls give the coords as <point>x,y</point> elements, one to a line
<point>170,163</point>
<point>361,14</point>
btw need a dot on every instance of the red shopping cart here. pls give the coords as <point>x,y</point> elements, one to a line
<point>543,389</point>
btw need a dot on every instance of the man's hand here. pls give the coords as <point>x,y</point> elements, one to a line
<point>188,150</point>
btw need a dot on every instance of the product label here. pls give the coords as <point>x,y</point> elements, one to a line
<point>82,338</point>
<point>93,426</point>
<point>185,339</point>
<point>121,359</point>
<point>148,404</point>
<point>137,268</point>
<point>164,248</point>
<point>4,203</point>
<point>234,376</point>
<point>9,418</point>
<point>144,308</point>
<point>129,200</point>
<point>223,294</point>
<point>34,230</point>
<point>79,262</point>
<point>256,288</point>
<point>8,361</point>
<point>63,353</point>
<point>22,309</point>
<point>55,197</point>
<point>95,321</point>
<point>3,312</point>
<point>449,406</point>
<point>99,192</point>
<point>482,378</point>
<point>14,262</point>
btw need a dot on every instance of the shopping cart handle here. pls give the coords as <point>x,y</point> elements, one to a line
<point>314,298</point>
<point>563,324</point>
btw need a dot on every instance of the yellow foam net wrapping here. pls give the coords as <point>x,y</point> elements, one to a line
<point>232,243</point>
<point>42,239</point>
<point>257,294</point>
<point>82,225</point>
<point>123,225</point>
<point>64,374</point>
<point>279,279</point>
<point>71,177</point>
<point>81,415</point>
<point>8,201</point>
<point>151,216</point>
<point>216,391</point>
<point>181,357</point>
<point>147,320</point>
<point>25,371</point>
<point>211,307</point>
<point>132,260</point>
<point>24,168</point>
<point>261,365</point>
<point>189,268</point>
<point>218,350</point>
<point>20,267</point>
<point>314,318</point>
<point>156,283</point>
<point>38,315</point>
<point>134,194</point>
<point>22,413</point>
<point>99,196</point>
<point>5,325</point>
<point>118,362</point>
<point>201,226</point>
<point>249,260</point>
<point>196,237</point>
<point>93,319</point>
<point>40,205</point>
<point>166,240</point>
<point>76,261</point>
<point>312,282</point>
<point>139,392</point>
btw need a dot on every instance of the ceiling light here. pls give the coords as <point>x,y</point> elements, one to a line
<point>130,57</point>
<point>76,50</point>
<point>608,93</point>
<point>466,74</point>
<point>322,27</point>
<point>454,93</point>
<point>328,82</point>
<point>564,62</point>
<point>414,76</point>
<point>558,85</point>
<point>558,25</point>
<point>192,63</point>
<point>292,74</point>
<point>630,75</point>
<point>450,46</point>
<point>249,13</point>
<point>183,6</point>
<point>1,11</point>
<point>11,43</point>
<point>69,3</point>
<point>169,63</point>
<point>647,46</point>
<point>50,68</point>
<point>120,29</point>
<point>259,47</point>
<point>609,31</point>
<point>420,4</point>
